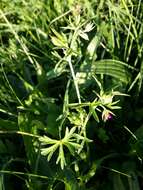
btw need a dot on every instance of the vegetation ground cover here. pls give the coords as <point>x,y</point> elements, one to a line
<point>71,100</point>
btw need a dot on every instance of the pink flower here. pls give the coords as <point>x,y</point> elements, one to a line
<point>107,115</point>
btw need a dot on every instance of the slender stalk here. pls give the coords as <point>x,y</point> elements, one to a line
<point>74,78</point>
<point>4,74</point>
<point>19,133</point>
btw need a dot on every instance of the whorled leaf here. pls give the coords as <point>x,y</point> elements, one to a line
<point>71,140</point>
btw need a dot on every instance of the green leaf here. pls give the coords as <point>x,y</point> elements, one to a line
<point>89,27</point>
<point>24,126</point>
<point>74,118</point>
<point>118,183</point>
<point>133,182</point>
<point>3,148</point>
<point>46,140</point>
<point>61,157</point>
<point>93,112</point>
<point>83,35</point>
<point>49,151</point>
<point>57,42</point>
<point>70,140</point>
<point>114,68</point>
<point>8,125</point>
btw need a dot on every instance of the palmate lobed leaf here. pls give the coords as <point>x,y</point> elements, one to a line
<point>46,140</point>
<point>69,134</point>
<point>71,140</point>
<point>71,148</point>
<point>61,157</point>
<point>79,137</point>
<point>46,151</point>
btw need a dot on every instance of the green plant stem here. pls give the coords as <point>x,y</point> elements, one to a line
<point>4,74</point>
<point>59,17</point>
<point>19,133</point>
<point>25,174</point>
<point>74,78</point>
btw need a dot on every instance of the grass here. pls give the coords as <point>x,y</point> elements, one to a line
<point>71,95</point>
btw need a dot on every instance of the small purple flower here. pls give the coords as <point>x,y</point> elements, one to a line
<point>107,115</point>
<point>110,116</point>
